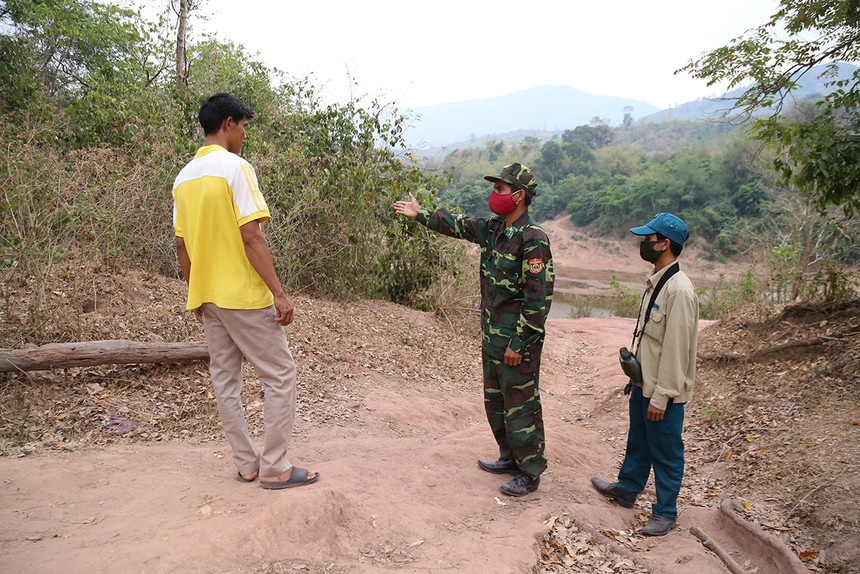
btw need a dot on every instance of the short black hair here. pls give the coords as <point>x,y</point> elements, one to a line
<point>675,248</point>
<point>218,108</point>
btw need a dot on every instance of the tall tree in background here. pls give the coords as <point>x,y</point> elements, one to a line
<point>65,48</point>
<point>628,117</point>
<point>817,147</point>
<point>183,10</point>
<point>181,32</point>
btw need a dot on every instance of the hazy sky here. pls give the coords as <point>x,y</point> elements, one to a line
<point>424,53</point>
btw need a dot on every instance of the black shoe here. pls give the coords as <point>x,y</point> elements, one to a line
<point>521,485</point>
<point>610,490</point>
<point>500,466</point>
<point>658,526</point>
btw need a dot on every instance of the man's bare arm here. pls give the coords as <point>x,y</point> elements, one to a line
<point>258,253</point>
<point>184,260</point>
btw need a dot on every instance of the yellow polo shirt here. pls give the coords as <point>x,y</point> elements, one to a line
<point>213,196</point>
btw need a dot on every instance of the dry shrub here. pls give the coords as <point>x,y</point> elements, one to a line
<point>69,217</point>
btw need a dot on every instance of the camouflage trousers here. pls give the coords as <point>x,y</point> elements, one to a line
<point>512,403</point>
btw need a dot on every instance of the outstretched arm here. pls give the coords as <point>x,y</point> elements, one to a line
<point>442,221</point>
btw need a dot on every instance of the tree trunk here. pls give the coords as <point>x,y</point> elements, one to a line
<point>181,32</point>
<point>86,354</point>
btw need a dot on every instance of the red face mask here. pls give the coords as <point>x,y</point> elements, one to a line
<point>502,204</point>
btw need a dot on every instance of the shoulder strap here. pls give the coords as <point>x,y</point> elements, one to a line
<point>668,274</point>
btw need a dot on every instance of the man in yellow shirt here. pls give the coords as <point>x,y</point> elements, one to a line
<point>234,292</point>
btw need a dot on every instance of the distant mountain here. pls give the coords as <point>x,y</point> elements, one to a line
<point>547,110</point>
<point>544,108</point>
<point>811,85</point>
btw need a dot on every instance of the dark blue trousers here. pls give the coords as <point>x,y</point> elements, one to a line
<point>656,445</point>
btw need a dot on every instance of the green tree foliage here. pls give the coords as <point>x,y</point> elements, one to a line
<point>817,147</point>
<point>90,61</point>
<point>62,43</point>
<point>549,202</point>
<point>68,46</point>
<point>94,133</point>
<point>332,186</point>
<point>552,162</point>
<point>471,198</point>
<point>596,135</point>
<point>719,189</point>
<point>581,156</point>
<point>609,187</point>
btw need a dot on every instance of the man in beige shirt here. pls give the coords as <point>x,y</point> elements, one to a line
<point>666,351</point>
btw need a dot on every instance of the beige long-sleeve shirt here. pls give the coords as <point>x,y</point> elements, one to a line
<point>667,348</point>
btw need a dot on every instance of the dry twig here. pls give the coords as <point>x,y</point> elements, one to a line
<point>810,493</point>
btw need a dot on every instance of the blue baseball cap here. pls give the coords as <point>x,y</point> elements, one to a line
<point>667,225</point>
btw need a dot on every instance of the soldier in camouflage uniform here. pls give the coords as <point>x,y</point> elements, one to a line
<point>516,293</point>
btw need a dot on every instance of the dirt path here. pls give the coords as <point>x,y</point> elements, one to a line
<point>399,491</point>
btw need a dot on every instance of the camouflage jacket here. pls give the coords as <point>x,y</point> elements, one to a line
<point>516,277</point>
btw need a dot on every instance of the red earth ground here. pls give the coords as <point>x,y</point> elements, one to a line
<point>391,417</point>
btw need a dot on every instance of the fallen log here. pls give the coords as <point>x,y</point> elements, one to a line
<point>715,547</point>
<point>814,341</point>
<point>775,554</point>
<point>89,353</point>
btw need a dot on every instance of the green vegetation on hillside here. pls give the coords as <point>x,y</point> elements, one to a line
<point>715,176</point>
<point>817,144</point>
<point>99,105</point>
<point>96,126</point>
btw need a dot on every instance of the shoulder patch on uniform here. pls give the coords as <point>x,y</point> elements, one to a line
<point>535,265</point>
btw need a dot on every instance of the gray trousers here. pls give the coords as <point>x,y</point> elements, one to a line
<point>232,334</point>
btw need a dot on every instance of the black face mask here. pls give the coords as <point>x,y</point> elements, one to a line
<point>646,251</point>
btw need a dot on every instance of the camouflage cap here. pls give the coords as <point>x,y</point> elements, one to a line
<point>517,175</point>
